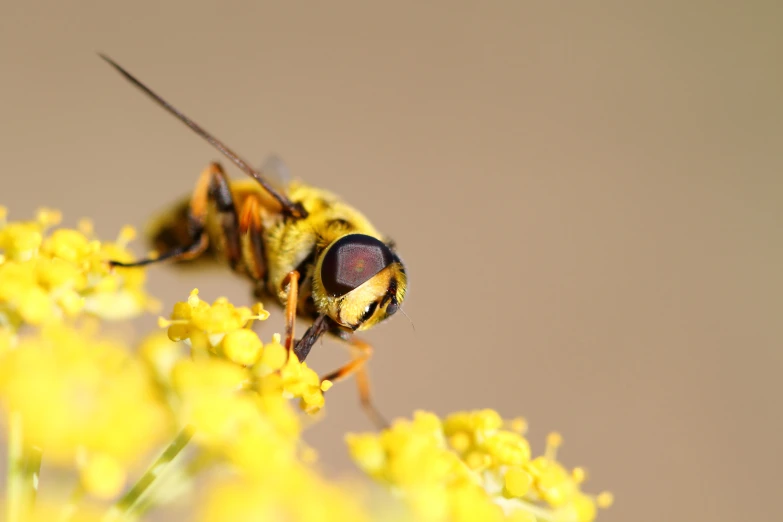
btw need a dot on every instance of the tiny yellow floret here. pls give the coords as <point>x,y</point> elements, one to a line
<point>242,347</point>
<point>605,499</point>
<point>517,482</point>
<point>103,476</point>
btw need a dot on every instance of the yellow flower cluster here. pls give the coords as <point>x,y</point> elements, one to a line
<point>222,334</point>
<point>473,466</point>
<point>99,409</point>
<point>233,393</point>
<point>45,277</point>
<point>283,488</point>
<point>84,402</point>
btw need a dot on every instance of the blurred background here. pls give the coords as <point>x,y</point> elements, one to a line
<point>588,198</point>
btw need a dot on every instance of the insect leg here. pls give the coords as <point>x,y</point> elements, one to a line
<point>212,186</point>
<point>361,352</point>
<point>319,327</point>
<point>292,279</point>
<point>251,230</point>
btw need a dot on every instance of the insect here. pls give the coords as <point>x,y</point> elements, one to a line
<point>319,257</point>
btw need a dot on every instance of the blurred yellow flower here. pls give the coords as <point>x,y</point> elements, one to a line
<point>83,401</point>
<point>99,409</point>
<point>47,276</point>
<point>293,494</point>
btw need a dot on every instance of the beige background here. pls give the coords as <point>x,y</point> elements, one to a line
<point>588,199</point>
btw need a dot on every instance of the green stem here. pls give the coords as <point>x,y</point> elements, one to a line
<point>32,471</point>
<point>200,462</point>
<point>16,465</point>
<point>126,504</point>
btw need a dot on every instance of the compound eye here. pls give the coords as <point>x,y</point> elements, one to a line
<point>351,261</point>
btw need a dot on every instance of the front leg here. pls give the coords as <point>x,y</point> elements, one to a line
<point>320,326</point>
<point>361,352</point>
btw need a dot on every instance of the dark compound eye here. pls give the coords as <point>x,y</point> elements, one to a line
<point>392,308</point>
<point>351,261</point>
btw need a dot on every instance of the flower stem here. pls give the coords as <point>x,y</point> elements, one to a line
<point>16,467</point>
<point>32,471</point>
<point>175,482</point>
<point>126,504</point>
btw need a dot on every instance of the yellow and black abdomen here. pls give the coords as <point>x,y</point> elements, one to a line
<point>172,228</point>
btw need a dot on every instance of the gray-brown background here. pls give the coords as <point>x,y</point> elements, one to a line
<point>588,198</point>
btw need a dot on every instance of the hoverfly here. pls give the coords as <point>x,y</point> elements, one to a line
<point>318,256</point>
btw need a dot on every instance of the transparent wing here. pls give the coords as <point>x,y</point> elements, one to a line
<point>276,170</point>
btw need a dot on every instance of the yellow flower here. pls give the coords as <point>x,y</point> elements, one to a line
<point>294,379</point>
<point>94,406</point>
<point>161,355</point>
<point>20,240</point>
<point>251,429</point>
<point>223,331</point>
<point>242,347</point>
<point>7,340</point>
<point>103,475</point>
<point>473,466</point>
<point>85,401</point>
<point>45,277</point>
<point>203,325</point>
<point>293,493</point>
<point>234,390</point>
